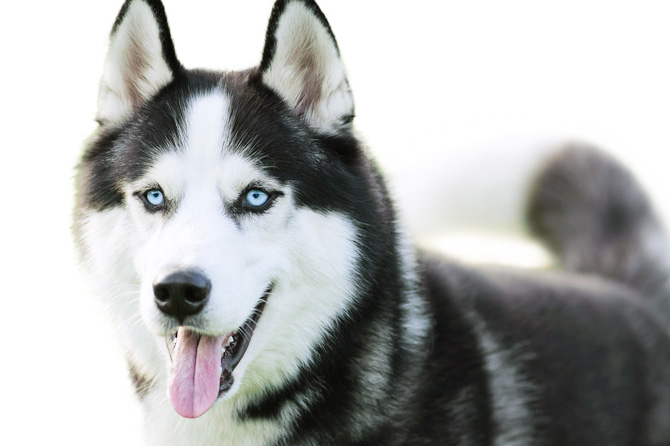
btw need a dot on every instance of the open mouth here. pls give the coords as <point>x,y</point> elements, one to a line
<point>202,365</point>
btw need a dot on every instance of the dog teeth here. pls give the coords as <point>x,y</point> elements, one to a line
<point>229,344</point>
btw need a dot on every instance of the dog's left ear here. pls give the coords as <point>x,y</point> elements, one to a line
<point>301,63</point>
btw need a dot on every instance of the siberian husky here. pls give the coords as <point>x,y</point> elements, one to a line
<point>265,293</point>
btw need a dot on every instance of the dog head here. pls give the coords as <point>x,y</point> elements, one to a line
<point>225,214</point>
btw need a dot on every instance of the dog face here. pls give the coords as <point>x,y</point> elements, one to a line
<point>207,209</point>
<point>220,213</point>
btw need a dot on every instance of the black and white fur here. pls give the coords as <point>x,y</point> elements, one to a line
<point>363,340</point>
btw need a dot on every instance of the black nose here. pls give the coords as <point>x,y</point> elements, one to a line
<point>181,293</point>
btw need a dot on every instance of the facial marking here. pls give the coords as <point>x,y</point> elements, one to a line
<point>203,179</point>
<point>205,156</point>
<point>207,130</point>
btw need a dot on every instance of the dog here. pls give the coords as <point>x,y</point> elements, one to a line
<point>266,293</point>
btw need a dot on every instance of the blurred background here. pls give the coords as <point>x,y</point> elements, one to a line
<point>452,98</point>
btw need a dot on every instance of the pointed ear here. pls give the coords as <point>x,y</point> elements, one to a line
<point>301,63</point>
<point>140,61</point>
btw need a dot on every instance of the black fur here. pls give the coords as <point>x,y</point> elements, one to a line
<point>585,358</point>
<point>121,153</point>
<point>141,383</point>
<point>595,215</point>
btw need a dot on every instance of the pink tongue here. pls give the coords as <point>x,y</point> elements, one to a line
<point>195,374</point>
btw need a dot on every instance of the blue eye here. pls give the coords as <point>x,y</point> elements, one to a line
<point>257,198</point>
<point>155,197</point>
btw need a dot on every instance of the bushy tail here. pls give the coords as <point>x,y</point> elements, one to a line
<point>595,216</point>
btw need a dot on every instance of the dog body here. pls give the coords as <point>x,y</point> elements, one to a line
<point>265,293</point>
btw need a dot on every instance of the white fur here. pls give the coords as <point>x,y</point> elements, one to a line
<point>305,58</point>
<point>511,391</point>
<point>109,243</point>
<point>297,315</point>
<point>135,69</point>
<point>218,426</point>
<point>309,256</point>
<point>416,320</point>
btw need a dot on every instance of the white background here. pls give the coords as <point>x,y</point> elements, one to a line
<point>440,87</point>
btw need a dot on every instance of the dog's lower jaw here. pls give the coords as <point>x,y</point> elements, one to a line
<point>202,365</point>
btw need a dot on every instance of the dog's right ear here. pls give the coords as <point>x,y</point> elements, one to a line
<point>141,60</point>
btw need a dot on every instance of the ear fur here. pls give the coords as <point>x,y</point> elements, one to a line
<point>301,63</point>
<point>141,60</point>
